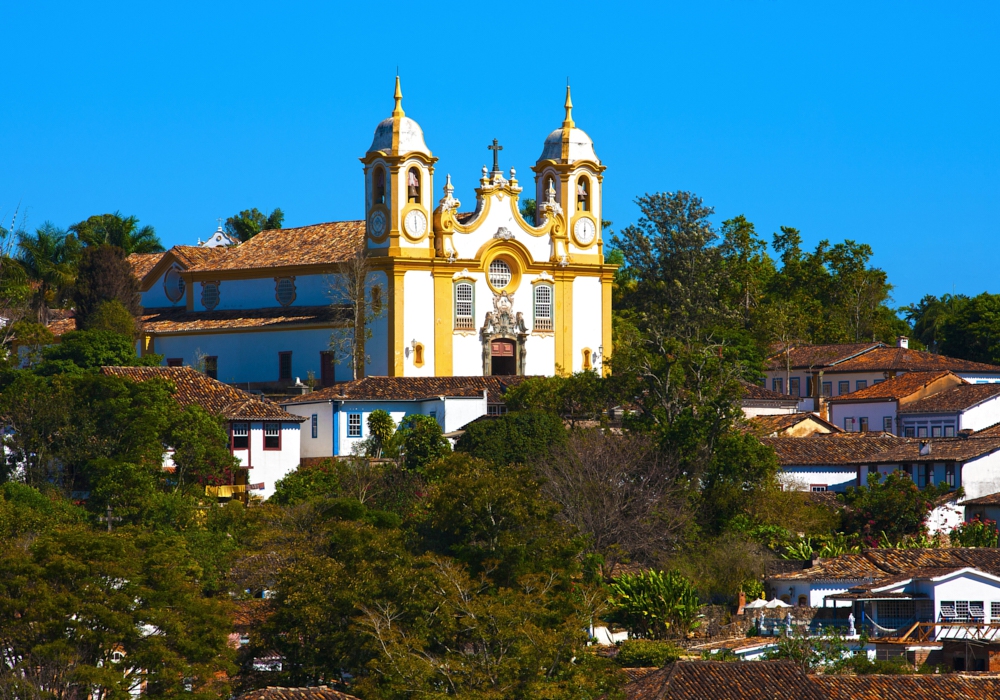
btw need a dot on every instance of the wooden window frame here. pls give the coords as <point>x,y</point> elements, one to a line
<point>463,322</point>
<point>233,435</point>
<point>211,366</point>
<point>281,358</point>
<point>175,362</point>
<point>360,426</point>
<point>314,424</point>
<point>270,425</point>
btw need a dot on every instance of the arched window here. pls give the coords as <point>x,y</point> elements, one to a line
<point>418,355</point>
<point>413,185</point>
<point>583,194</point>
<point>464,307</point>
<point>378,187</point>
<point>587,359</point>
<point>543,307</point>
<point>500,274</point>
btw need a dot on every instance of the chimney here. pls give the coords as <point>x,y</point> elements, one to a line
<point>965,432</point>
<point>925,449</point>
<point>902,342</point>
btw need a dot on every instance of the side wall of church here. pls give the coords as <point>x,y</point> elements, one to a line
<point>377,348</point>
<point>156,297</point>
<point>418,323</point>
<point>587,320</point>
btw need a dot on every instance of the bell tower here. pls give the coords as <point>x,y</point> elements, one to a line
<point>399,172</point>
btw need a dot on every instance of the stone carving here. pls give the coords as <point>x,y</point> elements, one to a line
<point>503,234</point>
<point>503,322</point>
<point>449,201</point>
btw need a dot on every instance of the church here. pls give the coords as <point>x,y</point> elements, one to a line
<point>450,293</point>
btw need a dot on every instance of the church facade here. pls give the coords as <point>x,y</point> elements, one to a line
<point>476,293</point>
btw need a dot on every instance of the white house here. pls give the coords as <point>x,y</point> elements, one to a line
<point>876,407</point>
<point>946,413</point>
<point>814,373</point>
<point>336,418</point>
<point>760,401</point>
<point>263,437</point>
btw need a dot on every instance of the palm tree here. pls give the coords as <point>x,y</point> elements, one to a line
<point>49,261</point>
<point>117,230</point>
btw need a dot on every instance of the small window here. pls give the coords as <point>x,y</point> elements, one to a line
<point>860,384</point>
<point>803,601</point>
<point>175,362</point>
<point>433,414</point>
<point>241,436</point>
<point>936,431</point>
<point>995,611</point>
<point>354,425</point>
<point>908,431</point>
<point>583,194</point>
<point>843,388</point>
<point>877,381</point>
<point>817,488</point>
<point>315,426</point>
<point>922,431</point>
<point>210,295</point>
<point>587,359</point>
<point>778,385</point>
<point>949,431</point>
<point>827,389</point>
<point>284,290</point>
<point>887,424</point>
<point>418,355</point>
<point>922,473</point>
<point>543,307</point>
<point>464,307</point>
<point>793,387</point>
<point>212,367</point>
<point>809,386</point>
<point>272,436</point>
<point>174,285</point>
<point>863,424</point>
<point>849,425</point>
<point>284,366</point>
<point>496,409</point>
<point>327,367</point>
<point>378,194</point>
<point>500,274</point>
<point>413,185</point>
<point>949,475</point>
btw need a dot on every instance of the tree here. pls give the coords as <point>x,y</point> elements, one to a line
<point>113,317</point>
<point>747,267</point>
<point>249,222</point>
<point>620,493</point>
<point>739,477</point>
<point>90,350</point>
<point>49,260</point>
<point>519,437</point>
<point>381,427</point>
<point>105,275</point>
<point>357,296</point>
<point>970,329</point>
<point>580,396</point>
<point>122,232</point>
<point>892,509</point>
<point>651,604</point>
<point>421,442</point>
<point>528,210</point>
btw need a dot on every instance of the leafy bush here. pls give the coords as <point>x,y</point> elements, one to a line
<point>975,533</point>
<point>639,653</point>
<point>895,507</point>
<point>520,437</point>
<point>650,602</point>
<point>381,426</point>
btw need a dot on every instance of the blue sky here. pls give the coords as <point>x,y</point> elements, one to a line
<point>872,121</point>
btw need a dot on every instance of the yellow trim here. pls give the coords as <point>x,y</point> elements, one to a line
<point>444,315</point>
<point>515,271</point>
<point>411,206</point>
<point>606,337</point>
<point>254,329</point>
<point>572,230</point>
<point>563,323</point>
<point>395,325</point>
<point>418,355</point>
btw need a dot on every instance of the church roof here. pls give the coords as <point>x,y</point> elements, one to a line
<point>193,387</point>
<point>180,320</point>
<point>581,147</point>
<point>142,263</point>
<point>411,137</point>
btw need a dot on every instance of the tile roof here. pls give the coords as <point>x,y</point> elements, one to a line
<point>769,425</point>
<point>989,431</point>
<point>956,449</point>
<point>180,320</point>
<point>755,392</point>
<point>893,389</point>
<point>886,359</point>
<point>61,321</point>
<point>193,387</point>
<point>833,448</point>
<point>959,398</point>
<point>725,680</point>
<point>948,686</point>
<point>315,693</point>
<point>816,356</point>
<point>142,263</point>
<point>412,389</point>
<point>886,565</point>
<point>992,499</point>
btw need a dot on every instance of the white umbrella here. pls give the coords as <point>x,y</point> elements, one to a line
<point>753,605</point>
<point>776,603</point>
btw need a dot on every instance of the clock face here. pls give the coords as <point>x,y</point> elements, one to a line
<point>378,224</point>
<point>585,231</point>
<point>415,223</point>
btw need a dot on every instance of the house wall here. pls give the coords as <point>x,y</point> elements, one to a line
<point>802,478</point>
<point>981,477</point>
<point>930,421</point>
<point>875,411</point>
<point>945,518</point>
<point>322,444</point>
<point>980,377</point>
<point>418,322</point>
<point>775,409</point>
<point>966,586</point>
<point>982,416</point>
<point>850,377</point>
<point>268,466</point>
<point>587,319</point>
<point>259,292</point>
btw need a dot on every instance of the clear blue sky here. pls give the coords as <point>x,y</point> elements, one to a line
<point>873,121</point>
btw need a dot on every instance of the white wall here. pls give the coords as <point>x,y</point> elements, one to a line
<point>981,477</point>
<point>801,478</point>
<point>267,466</point>
<point>418,321</point>
<point>253,356</point>
<point>322,444</point>
<point>458,412</point>
<point>980,377</point>
<point>945,518</point>
<point>500,215</point>
<point>982,416</point>
<point>875,411</point>
<point>751,411</point>
<point>969,586</point>
<point>587,320</point>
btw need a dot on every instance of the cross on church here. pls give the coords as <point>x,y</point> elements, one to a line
<point>109,518</point>
<point>496,148</point>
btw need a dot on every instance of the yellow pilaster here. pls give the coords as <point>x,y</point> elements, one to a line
<point>564,323</point>
<point>443,325</point>
<point>395,323</point>
<point>606,284</point>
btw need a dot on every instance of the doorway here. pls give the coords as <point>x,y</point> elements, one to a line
<point>502,360</point>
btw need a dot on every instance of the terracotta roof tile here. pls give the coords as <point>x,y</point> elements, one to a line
<point>959,398</point>
<point>193,387</point>
<point>180,320</point>
<point>885,565</point>
<point>315,693</point>
<point>908,687</point>
<point>413,389</point>
<point>142,263</point>
<point>770,425</point>
<point>721,680</point>
<point>755,392</point>
<point>893,389</point>
<point>61,321</point>
<point>956,449</point>
<point>833,448</point>
<point>992,499</point>
<point>816,356</point>
<point>906,360</point>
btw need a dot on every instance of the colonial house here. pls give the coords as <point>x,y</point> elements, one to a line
<point>790,425</point>
<point>262,436</point>
<point>337,417</point>
<point>814,373</point>
<point>447,293</point>
<point>760,401</point>
<point>963,407</point>
<point>877,407</point>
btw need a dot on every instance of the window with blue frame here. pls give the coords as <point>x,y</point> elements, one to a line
<point>354,425</point>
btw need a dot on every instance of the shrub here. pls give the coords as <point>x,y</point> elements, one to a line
<point>975,533</point>
<point>639,653</point>
<point>520,437</point>
<point>650,602</point>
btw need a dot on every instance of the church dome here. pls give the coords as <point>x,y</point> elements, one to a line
<point>411,136</point>
<point>581,147</point>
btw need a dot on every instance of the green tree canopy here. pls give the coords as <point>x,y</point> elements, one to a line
<point>519,437</point>
<point>120,231</point>
<point>249,222</point>
<point>49,259</point>
<point>105,275</point>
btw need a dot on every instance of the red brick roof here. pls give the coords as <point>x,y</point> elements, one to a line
<point>413,389</point>
<point>768,425</point>
<point>833,448</point>
<point>193,387</point>
<point>722,680</point>
<point>959,398</point>
<point>180,320</point>
<point>142,263</point>
<point>315,693</point>
<point>893,389</point>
